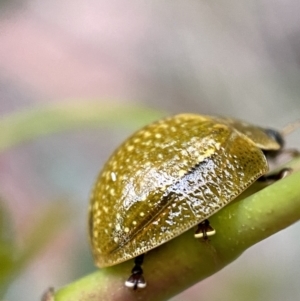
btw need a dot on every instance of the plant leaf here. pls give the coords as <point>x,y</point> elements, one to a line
<point>37,122</point>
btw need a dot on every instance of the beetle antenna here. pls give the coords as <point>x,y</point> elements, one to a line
<point>291,127</point>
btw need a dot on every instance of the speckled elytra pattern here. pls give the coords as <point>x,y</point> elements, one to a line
<point>255,133</point>
<point>165,179</point>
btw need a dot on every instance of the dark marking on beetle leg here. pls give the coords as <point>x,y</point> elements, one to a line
<point>276,176</point>
<point>204,230</point>
<point>136,279</point>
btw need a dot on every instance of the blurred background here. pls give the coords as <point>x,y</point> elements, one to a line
<point>236,58</point>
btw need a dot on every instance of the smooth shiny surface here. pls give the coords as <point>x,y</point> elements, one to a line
<point>167,178</point>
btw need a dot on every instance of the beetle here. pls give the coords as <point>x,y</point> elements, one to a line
<point>170,176</point>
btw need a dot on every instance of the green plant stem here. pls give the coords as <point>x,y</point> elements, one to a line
<point>184,261</point>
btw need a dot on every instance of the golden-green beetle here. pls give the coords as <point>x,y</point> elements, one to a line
<point>169,177</point>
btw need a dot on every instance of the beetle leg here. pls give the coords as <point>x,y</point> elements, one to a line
<point>136,279</point>
<point>204,230</point>
<point>276,176</point>
<point>291,151</point>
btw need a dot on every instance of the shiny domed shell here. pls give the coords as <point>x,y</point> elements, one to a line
<point>168,177</point>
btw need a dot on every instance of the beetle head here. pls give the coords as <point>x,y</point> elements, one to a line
<point>275,135</point>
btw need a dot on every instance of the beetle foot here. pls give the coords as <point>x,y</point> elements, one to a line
<point>204,230</point>
<point>276,176</point>
<point>136,279</point>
